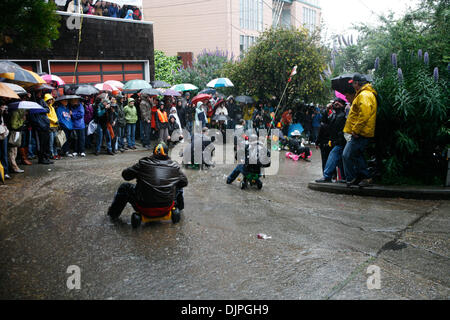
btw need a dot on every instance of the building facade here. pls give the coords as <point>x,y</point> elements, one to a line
<point>110,49</point>
<point>228,25</point>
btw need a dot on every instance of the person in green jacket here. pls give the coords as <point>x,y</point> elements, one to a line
<point>131,119</point>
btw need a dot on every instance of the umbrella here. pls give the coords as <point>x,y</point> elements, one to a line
<point>51,77</point>
<point>23,77</point>
<point>69,97</point>
<point>200,97</point>
<point>341,84</point>
<point>7,92</point>
<point>8,66</point>
<point>220,83</point>
<point>16,88</point>
<point>340,95</point>
<point>42,86</point>
<point>106,87</point>
<point>150,92</point>
<point>244,99</point>
<point>86,90</point>
<point>208,91</point>
<point>160,84</point>
<point>221,117</point>
<point>294,127</point>
<point>25,105</point>
<point>136,85</point>
<point>119,85</point>
<point>171,93</point>
<point>184,87</point>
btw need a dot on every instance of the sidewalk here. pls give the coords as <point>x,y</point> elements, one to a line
<point>406,192</point>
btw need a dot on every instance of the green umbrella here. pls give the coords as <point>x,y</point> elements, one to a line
<point>136,85</point>
<point>184,87</point>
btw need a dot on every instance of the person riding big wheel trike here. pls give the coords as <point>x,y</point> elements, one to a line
<point>158,193</point>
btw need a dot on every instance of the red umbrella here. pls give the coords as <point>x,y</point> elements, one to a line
<point>201,97</point>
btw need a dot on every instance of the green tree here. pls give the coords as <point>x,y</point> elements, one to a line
<point>166,67</point>
<point>28,24</point>
<point>265,69</point>
<point>208,66</point>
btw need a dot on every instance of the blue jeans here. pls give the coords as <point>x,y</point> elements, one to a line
<point>240,168</point>
<point>81,140</point>
<point>52,143</point>
<point>334,160</point>
<point>355,165</point>
<point>4,154</point>
<point>100,133</point>
<point>120,136</point>
<point>131,132</point>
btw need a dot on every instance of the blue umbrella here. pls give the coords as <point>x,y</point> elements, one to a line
<point>295,126</point>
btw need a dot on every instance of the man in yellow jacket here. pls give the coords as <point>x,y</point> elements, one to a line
<point>359,128</point>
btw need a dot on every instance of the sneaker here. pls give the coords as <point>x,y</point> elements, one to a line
<point>19,171</point>
<point>45,161</point>
<point>69,155</point>
<point>323,180</point>
<point>83,154</point>
<point>74,154</point>
<point>122,150</point>
<point>110,152</point>
<point>7,176</point>
<point>96,153</point>
<point>57,157</point>
<point>353,182</point>
<point>364,183</point>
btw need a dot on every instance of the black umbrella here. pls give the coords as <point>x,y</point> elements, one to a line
<point>160,84</point>
<point>208,91</point>
<point>221,117</point>
<point>86,90</point>
<point>42,86</point>
<point>341,84</point>
<point>245,99</point>
<point>151,92</point>
<point>69,97</point>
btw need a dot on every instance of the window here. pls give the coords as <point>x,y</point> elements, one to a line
<point>246,42</point>
<point>251,14</point>
<point>309,18</point>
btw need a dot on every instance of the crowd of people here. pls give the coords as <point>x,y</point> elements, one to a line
<point>103,8</point>
<point>73,124</point>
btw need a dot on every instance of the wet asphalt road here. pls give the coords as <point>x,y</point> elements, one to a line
<point>321,243</point>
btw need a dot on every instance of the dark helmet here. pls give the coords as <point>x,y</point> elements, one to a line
<point>161,150</point>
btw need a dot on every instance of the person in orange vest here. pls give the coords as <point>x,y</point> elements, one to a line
<point>162,123</point>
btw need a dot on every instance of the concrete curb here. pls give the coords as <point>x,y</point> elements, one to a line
<point>406,192</point>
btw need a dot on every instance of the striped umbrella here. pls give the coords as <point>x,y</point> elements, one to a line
<point>23,77</point>
<point>51,77</point>
<point>106,87</point>
<point>220,83</point>
<point>7,92</point>
<point>115,83</point>
<point>184,87</point>
<point>136,85</point>
<point>16,88</point>
<point>8,66</point>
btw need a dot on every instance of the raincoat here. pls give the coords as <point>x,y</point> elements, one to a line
<point>129,15</point>
<point>363,113</point>
<point>130,112</point>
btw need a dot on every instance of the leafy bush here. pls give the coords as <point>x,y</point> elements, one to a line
<point>413,123</point>
<point>166,67</point>
<point>206,67</point>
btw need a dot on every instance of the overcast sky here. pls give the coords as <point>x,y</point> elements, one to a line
<point>338,15</point>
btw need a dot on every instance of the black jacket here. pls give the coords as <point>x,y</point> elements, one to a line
<point>40,121</point>
<point>336,127</point>
<point>157,181</point>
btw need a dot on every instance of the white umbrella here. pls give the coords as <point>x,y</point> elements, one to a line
<point>220,83</point>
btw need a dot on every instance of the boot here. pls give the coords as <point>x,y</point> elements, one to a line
<point>24,156</point>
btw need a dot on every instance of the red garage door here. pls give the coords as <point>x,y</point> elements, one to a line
<point>96,72</point>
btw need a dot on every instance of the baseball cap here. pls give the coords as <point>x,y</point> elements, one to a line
<point>358,77</point>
